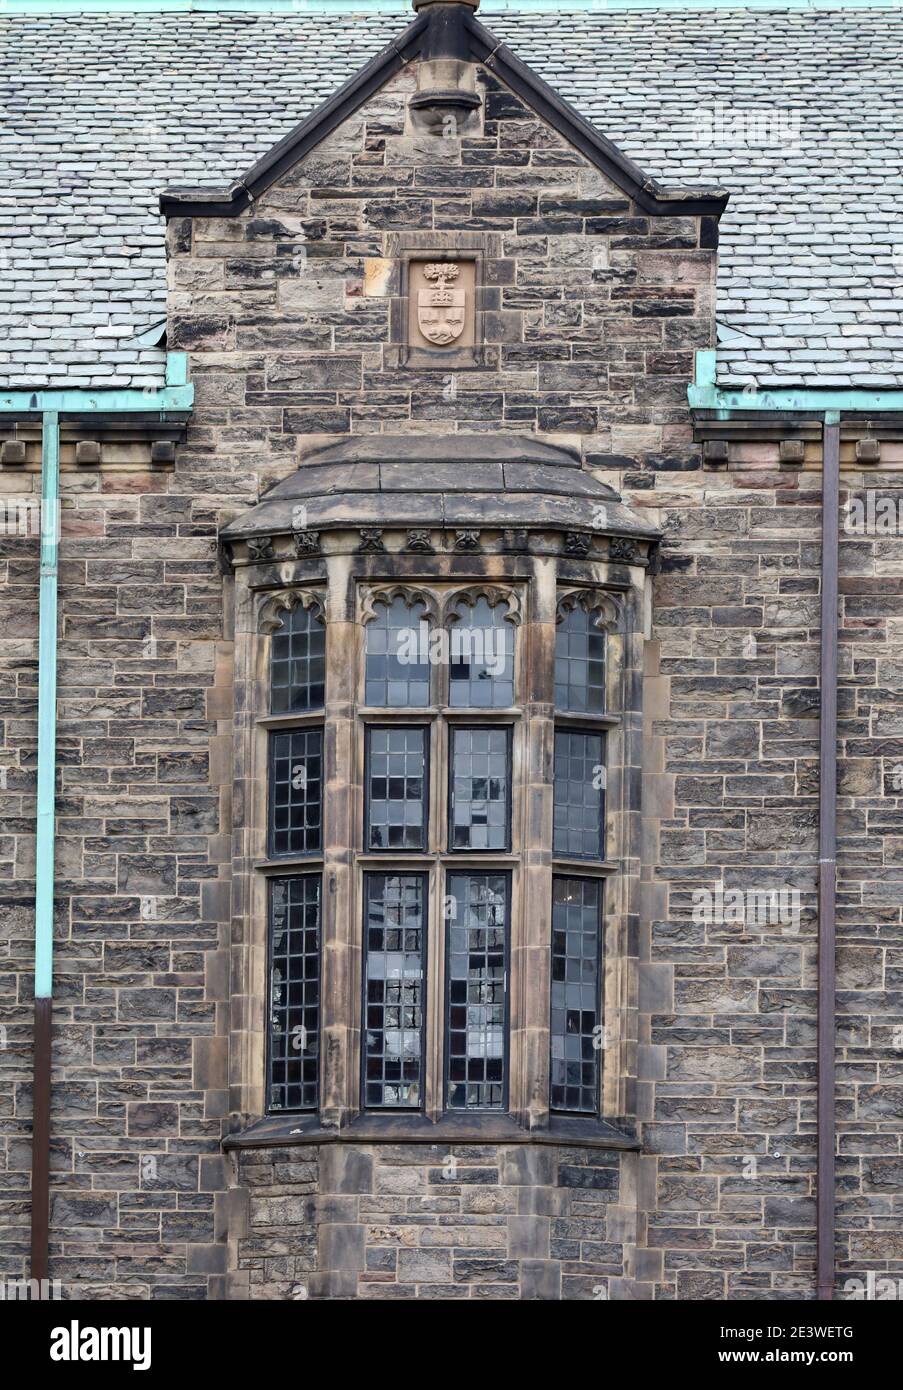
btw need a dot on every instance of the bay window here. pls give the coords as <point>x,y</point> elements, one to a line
<point>442,763</point>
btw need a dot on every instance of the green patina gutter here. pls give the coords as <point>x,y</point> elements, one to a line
<point>176,396</point>
<point>704,394</point>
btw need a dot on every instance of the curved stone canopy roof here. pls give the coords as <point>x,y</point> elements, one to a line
<point>467,480</point>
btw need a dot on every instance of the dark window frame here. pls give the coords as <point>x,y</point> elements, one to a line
<point>453,730</point>
<point>503,1107</point>
<point>396,725</point>
<point>272,737</point>
<point>602,882</point>
<point>424,876</point>
<point>461,615</point>
<point>286,632</point>
<point>600,733</point>
<point>314,1109</point>
<point>591,628</point>
<point>382,601</point>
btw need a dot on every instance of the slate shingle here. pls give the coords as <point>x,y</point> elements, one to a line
<point>797,113</point>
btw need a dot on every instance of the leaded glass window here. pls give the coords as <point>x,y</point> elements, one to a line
<point>397,802</point>
<point>296,792</point>
<point>579,814</point>
<point>481,657</point>
<point>298,663</point>
<point>480,789</point>
<point>394,952</point>
<point>477,908</point>
<point>579,664</point>
<point>575,1040</point>
<point>294,1031</point>
<point>397,667</point>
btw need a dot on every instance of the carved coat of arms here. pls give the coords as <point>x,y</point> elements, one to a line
<point>440,310</point>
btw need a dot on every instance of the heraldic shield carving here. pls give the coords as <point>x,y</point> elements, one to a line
<point>441,309</point>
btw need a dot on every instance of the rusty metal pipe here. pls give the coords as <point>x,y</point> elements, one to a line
<point>827,859</point>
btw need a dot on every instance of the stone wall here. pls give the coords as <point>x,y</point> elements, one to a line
<point>434,1221</point>
<point>727,1088</point>
<point>592,312</point>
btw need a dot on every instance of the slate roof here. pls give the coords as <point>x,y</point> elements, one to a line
<point>462,480</point>
<point>797,113</point>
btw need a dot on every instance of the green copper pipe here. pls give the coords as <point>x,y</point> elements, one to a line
<point>176,396</point>
<point>44,847</point>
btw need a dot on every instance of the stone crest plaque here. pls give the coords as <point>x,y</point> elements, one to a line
<point>441,320</point>
<point>441,309</point>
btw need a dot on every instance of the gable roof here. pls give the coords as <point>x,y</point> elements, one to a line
<point>102,111</point>
<point>448,30</point>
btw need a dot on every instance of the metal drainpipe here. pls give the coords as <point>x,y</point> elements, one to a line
<point>44,848</point>
<point>827,855</point>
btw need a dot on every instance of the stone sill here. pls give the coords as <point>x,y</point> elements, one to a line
<point>285,1131</point>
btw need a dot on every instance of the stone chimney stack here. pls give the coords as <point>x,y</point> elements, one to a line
<point>446,103</point>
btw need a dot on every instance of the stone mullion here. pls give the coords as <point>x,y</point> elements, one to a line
<point>625,663</point>
<point>532,928</point>
<point>248,1023</point>
<point>340,1030</point>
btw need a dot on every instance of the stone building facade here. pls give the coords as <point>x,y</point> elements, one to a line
<point>544,462</point>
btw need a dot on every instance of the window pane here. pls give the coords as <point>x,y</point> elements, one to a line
<point>481,657</point>
<point>576,1003</point>
<point>480,770</point>
<point>477,986</point>
<point>294,1049</point>
<point>397,667</point>
<point>579,664</point>
<point>579,814</point>
<point>296,792</point>
<point>298,663</point>
<point>397,788</point>
<point>394,945</point>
